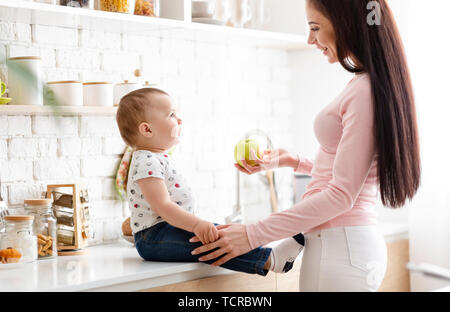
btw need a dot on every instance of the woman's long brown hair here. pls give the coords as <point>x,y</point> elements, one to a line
<point>378,51</point>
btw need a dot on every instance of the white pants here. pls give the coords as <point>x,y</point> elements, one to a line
<point>352,258</point>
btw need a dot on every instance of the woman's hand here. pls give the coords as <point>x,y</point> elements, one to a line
<point>232,243</point>
<point>271,159</point>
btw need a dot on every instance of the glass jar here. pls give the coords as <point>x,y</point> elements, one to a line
<point>88,4</point>
<point>122,6</point>
<point>46,1</point>
<point>147,8</point>
<point>19,235</point>
<point>44,226</point>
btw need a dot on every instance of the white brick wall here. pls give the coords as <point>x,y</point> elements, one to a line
<point>97,126</point>
<point>113,146</point>
<point>51,168</point>
<point>222,91</point>
<point>15,170</point>
<point>100,40</point>
<point>69,146</point>
<point>24,190</point>
<point>7,31</point>
<point>19,125</point>
<point>3,125</point>
<point>23,32</point>
<point>32,147</point>
<point>99,167</point>
<point>3,149</point>
<point>91,146</point>
<point>48,35</point>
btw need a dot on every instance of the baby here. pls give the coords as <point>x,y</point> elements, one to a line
<point>162,204</point>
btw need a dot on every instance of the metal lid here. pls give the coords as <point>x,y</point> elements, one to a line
<point>18,218</point>
<point>38,202</point>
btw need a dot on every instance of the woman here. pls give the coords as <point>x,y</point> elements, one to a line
<point>368,143</point>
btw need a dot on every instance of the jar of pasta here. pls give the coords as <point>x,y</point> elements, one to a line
<point>44,226</point>
<point>147,8</point>
<point>122,6</point>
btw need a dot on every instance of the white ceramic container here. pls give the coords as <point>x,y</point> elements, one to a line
<point>98,94</point>
<point>122,89</point>
<point>25,80</point>
<point>68,93</point>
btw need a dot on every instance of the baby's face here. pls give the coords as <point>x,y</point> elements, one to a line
<point>164,122</point>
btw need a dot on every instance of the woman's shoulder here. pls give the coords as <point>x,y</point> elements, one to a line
<point>357,95</point>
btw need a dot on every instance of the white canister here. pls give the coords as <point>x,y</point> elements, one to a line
<point>122,89</point>
<point>98,94</point>
<point>25,80</point>
<point>68,93</point>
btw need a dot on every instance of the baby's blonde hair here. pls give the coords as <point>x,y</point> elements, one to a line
<point>132,111</point>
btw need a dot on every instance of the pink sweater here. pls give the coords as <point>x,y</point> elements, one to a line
<point>343,190</point>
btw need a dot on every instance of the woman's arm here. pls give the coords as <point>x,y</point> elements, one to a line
<point>272,159</point>
<point>354,157</point>
<point>304,166</point>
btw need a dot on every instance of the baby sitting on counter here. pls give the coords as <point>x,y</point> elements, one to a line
<point>162,205</point>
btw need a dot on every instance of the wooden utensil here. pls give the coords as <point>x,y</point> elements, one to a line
<point>273,195</point>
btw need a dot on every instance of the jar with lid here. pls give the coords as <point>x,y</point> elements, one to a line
<point>122,6</point>
<point>44,226</point>
<point>147,8</point>
<point>88,4</point>
<point>19,235</point>
<point>47,1</point>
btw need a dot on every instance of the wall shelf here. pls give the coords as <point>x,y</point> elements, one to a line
<point>61,16</point>
<point>60,110</point>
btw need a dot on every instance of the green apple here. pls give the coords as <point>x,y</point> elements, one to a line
<point>242,151</point>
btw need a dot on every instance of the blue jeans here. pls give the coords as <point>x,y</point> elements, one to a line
<point>166,243</point>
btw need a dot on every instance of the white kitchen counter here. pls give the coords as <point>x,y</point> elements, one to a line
<point>118,267</point>
<point>114,267</point>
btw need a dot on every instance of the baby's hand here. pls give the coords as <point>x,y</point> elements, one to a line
<point>206,232</point>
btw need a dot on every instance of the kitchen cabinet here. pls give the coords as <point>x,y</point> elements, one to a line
<point>118,267</point>
<point>395,280</point>
<point>175,22</point>
<point>287,16</point>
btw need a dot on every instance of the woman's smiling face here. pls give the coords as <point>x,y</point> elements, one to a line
<point>321,32</point>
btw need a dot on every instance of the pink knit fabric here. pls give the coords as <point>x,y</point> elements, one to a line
<point>343,190</point>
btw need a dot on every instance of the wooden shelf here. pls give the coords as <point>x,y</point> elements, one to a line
<point>59,111</point>
<point>62,16</point>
